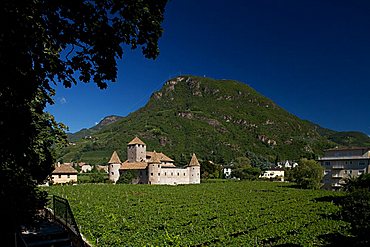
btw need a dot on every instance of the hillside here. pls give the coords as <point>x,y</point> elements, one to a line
<point>219,120</point>
<point>91,131</point>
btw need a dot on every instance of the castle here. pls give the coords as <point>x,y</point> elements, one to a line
<point>152,167</point>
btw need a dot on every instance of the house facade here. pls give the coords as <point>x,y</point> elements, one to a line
<point>274,173</point>
<point>64,174</point>
<point>152,167</point>
<point>342,163</point>
<point>287,164</point>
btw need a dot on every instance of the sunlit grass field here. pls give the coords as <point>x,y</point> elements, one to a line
<point>235,213</point>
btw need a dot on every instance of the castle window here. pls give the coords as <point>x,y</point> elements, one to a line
<point>158,166</point>
<point>193,168</point>
<point>151,174</point>
<point>198,174</point>
<point>178,174</point>
<point>165,173</point>
<point>112,173</point>
<point>159,174</point>
<point>184,174</point>
<point>68,176</point>
<point>59,176</point>
<point>171,173</point>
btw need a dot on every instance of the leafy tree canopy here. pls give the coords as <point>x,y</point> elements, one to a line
<point>356,208</point>
<point>307,174</point>
<point>47,42</point>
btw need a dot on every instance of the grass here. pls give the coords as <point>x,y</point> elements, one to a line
<point>245,213</point>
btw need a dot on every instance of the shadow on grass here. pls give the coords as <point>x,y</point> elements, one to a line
<point>336,239</point>
<point>337,200</point>
<point>289,245</point>
<point>290,185</point>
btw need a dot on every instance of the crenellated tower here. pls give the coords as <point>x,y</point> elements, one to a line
<point>136,151</point>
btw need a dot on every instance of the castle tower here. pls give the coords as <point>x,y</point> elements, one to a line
<point>154,169</point>
<point>114,165</point>
<point>136,150</point>
<point>194,170</point>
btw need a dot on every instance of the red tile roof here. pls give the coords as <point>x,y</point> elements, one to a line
<point>133,165</point>
<point>162,157</point>
<point>64,169</point>
<point>136,140</point>
<point>114,159</point>
<point>194,161</point>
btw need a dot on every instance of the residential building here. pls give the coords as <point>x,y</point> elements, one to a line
<point>287,164</point>
<point>342,163</point>
<point>274,173</point>
<point>64,174</point>
<point>227,172</point>
<point>152,167</point>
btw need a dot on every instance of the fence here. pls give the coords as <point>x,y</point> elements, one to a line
<point>62,214</point>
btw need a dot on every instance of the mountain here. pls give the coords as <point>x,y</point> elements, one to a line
<point>84,133</point>
<point>345,138</point>
<point>219,120</point>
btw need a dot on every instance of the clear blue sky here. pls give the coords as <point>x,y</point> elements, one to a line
<point>312,57</point>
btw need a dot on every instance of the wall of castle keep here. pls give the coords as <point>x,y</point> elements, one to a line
<point>174,176</point>
<point>136,153</point>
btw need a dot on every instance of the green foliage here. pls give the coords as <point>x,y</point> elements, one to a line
<point>242,162</point>
<point>358,183</point>
<point>208,169</point>
<point>356,208</point>
<point>249,173</point>
<point>127,177</point>
<point>44,43</point>
<point>243,213</point>
<point>219,120</point>
<point>92,178</point>
<point>307,174</point>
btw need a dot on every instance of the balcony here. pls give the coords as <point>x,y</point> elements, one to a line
<point>336,176</point>
<point>357,157</point>
<point>336,185</point>
<point>338,167</point>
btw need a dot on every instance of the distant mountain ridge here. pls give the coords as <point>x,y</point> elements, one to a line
<point>218,120</point>
<point>90,131</point>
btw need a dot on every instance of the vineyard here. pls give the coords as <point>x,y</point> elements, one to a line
<point>209,214</point>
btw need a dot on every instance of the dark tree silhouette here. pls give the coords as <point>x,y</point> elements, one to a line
<point>45,42</point>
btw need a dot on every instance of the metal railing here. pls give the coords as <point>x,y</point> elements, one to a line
<point>62,213</point>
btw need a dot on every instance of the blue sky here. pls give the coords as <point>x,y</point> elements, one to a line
<point>312,57</point>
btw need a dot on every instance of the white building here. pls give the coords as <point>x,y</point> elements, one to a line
<point>287,164</point>
<point>227,172</point>
<point>342,163</point>
<point>64,174</point>
<point>274,173</point>
<point>152,167</point>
